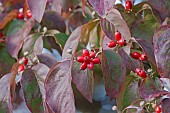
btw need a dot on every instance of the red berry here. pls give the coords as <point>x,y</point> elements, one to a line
<point>96,60</point>
<point>138,70</point>
<point>142,74</point>
<point>1,35</point>
<point>158,109</point>
<point>80,59</point>
<point>85,52</point>
<point>25,60</point>
<point>21,68</point>
<point>87,59</point>
<point>90,66</point>
<point>128,5</point>
<point>111,44</point>
<point>135,55</point>
<point>20,16</point>
<point>122,42</point>
<point>83,66</point>
<point>92,54</point>
<point>29,14</point>
<point>118,36</point>
<point>143,57</point>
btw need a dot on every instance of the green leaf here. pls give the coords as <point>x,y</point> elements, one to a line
<point>61,39</point>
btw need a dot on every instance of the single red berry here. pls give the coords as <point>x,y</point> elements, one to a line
<point>143,57</point>
<point>128,5</point>
<point>85,52</point>
<point>21,68</point>
<point>92,54</point>
<point>83,66</point>
<point>142,74</point>
<point>111,44</point>
<point>118,35</point>
<point>80,59</point>
<point>25,60</point>
<point>20,16</point>
<point>158,109</point>
<point>29,14</point>
<point>1,35</point>
<point>90,66</point>
<point>87,59</point>
<point>122,42</point>
<point>135,55</point>
<point>96,60</point>
<point>137,71</point>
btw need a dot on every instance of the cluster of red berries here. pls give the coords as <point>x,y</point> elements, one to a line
<point>128,5</point>
<point>158,109</point>
<point>141,73</point>
<point>21,14</point>
<point>88,59</point>
<point>119,40</point>
<point>137,55</point>
<point>23,62</point>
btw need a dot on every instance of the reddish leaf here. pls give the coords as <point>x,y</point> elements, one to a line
<point>14,42</point>
<point>47,59</point>
<point>130,63</point>
<point>38,47</point>
<point>102,6</point>
<point>31,91</point>
<point>166,105</point>
<point>72,43</point>
<point>37,8</point>
<point>161,42</point>
<point>149,90</point>
<point>59,93</point>
<point>83,79</point>
<point>162,7</point>
<point>148,49</point>
<point>128,93</point>
<point>166,83</point>
<point>9,17</point>
<point>114,72</point>
<point>5,96</point>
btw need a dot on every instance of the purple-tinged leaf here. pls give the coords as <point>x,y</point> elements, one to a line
<point>14,42</point>
<point>161,8</point>
<point>5,96</point>
<point>130,63</point>
<point>83,80</point>
<point>31,90</point>
<point>47,59</point>
<point>37,8</point>
<point>149,90</point>
<point>166,83</point>
<point>38,47</point>
<point>166,105</point>
<point>128,93</point>
<point>72,43</point>
<point>102,6</point>
<point>114,72</point>
<point>59,93</point>
<point>148,49</point>
<point>161,42</point>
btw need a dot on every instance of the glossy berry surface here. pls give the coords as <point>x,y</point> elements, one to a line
<point>96,60</point>
<point>143,57</point>
<point>87,59</point>
<point>137,71</point>
<point>29,14</point>
<point>111,44</point>
<point>20,16</point>
<point>83,66</point>
<point>128,5</point>
<point>85,52</point>
<point>90,66</point>
<point>21,68</point>
<point>25,60</point>
<point>140,72</point>
<point>158,109</point>
<point>135,55</point>
<point>80,59</point>
<point>121,42</point>
<point>118,36</point>
<point>92,54</point>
